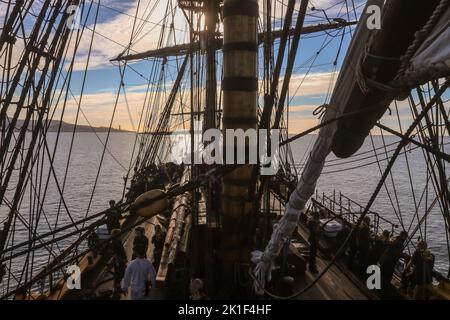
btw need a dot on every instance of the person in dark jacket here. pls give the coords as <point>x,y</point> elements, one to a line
<point>359,245</point>
<point>119,259</point>
<point>113,218</point>
<point>140,242</point>
<point>158,240</point>
<point>422,264</point>
<point>314,235</point>
<point>380,244</point>
<point>353,247</point>
<point>389,260</point>
<point>363,237</point>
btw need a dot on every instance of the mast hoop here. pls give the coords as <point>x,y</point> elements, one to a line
<point>241,8</point>
<point>249,84</point>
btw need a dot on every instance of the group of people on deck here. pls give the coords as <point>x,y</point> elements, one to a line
<point>365,249</point>
<point>139,275</point>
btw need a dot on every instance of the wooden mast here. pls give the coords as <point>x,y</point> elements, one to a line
<point>211,16</point>
<point>240,89</point>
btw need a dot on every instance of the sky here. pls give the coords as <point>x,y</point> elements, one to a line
<point>318,60</point>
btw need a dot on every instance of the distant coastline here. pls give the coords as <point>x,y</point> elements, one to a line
<point>62,126</point>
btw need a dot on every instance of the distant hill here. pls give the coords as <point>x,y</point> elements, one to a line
<point>68,127</point>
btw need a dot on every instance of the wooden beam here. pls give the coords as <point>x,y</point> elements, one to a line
<point>174,232</point>
<point>183,49</point>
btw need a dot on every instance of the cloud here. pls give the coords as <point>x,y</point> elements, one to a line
<point>3,8</point>
<point>98,108</point>
<point>298,124</point>
<point>314,83</point>
<point>113,33</point>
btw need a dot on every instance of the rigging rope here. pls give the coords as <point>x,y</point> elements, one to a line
<point>374,195</point>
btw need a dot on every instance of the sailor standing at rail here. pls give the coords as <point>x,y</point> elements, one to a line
<point>380,244</point>
<point>421,263</point>
<point>314,234</point>
<point>140,276</point>
<point>363,236</point>
<point>389,260</point>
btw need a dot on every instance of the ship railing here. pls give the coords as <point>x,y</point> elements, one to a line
<point>349,211</point>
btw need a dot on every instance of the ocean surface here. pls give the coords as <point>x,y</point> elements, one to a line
<point>355,177</point>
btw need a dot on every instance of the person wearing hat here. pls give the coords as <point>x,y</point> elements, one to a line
<point>139,276</point>
<point>313,239</point>
<point>379,245</point>
<point>140,242</point>
<point>119,258</point>
<point>113,217</point>
<point>389,260</point>
<point>421,264</point>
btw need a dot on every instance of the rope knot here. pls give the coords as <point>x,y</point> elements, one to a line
<point>321,110</point>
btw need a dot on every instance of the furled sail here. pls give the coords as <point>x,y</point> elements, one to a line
<point>377,68</point>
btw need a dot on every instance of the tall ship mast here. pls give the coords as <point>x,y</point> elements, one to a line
<point>228,67</point>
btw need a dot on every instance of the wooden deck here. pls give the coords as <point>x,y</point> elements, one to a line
<point>336,284</point>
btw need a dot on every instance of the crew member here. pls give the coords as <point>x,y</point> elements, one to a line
<point>140,276</point>
<point>314,235</point>
<point>380,244</point>
<point>140,242</point>
<point>113,217</point>
<point>2,271</point>
<point>353,246</point>
<point>422,264</point>
<point>119,259</point>
<point>158,240</point>
<point>390,258</point>
<point>363,236</point>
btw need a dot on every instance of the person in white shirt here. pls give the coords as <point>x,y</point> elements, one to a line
<point>138,275</point>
